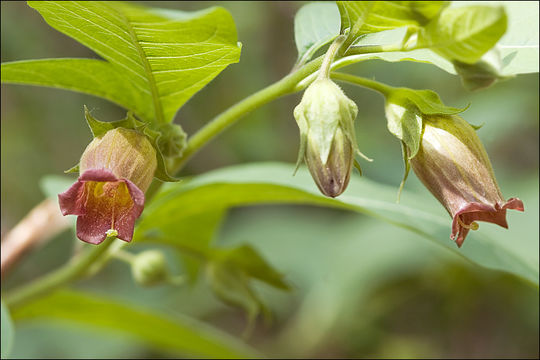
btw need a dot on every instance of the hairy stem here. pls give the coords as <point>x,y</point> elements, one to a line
<point>367,83</point>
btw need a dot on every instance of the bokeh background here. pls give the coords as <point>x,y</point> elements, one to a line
<point>362,287</point>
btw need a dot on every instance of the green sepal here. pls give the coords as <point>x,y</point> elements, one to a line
<point>173,140</point>
<point>477,127</point>
<point>427,101</point>
<point>407,166</point>
<point>405,109</point>
<point>301,152</point>
<point>99,128</point>
<point>161,170</point>
<point>74,169</point>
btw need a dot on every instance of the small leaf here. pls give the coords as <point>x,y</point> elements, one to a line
<point>481,74</point>
<point>8,333</point>
<point>464,33</point>
<point>247,260</point>
<point>179,334</point>
<point>315,25</point>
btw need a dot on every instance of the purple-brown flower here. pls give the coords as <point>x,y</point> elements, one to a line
<point>116,169</point>
<point>453,164</point>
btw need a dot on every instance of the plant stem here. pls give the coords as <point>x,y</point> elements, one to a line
<point>367,83</point>
<point>69,272</point>
<point>324,71</point>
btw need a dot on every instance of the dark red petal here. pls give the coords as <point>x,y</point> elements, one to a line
<point>97,175</point>
<point>126,222</point>
<point>73,199</point>
<point>515,204</point>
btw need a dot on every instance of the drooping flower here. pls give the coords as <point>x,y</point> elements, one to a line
<point>453,164</point>
<point>326,117</point>
<point>116,169</point>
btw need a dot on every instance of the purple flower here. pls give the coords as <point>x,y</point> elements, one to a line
<point>108,197</point>
<point>453,164</point>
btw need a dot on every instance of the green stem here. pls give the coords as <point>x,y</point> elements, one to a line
<point>367,83</point>
<point>324,71</point>
<point>67,273</point>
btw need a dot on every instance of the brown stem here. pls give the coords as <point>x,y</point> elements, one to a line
<point>41,224</point>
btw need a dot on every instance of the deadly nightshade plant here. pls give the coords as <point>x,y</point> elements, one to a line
<point>116,170</point>
<point>454,166</point>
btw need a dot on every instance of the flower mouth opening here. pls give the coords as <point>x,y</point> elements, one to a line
<point>106,206</point>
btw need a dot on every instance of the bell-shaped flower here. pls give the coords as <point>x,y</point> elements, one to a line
<point>115,171</point>
<point>453,164</point>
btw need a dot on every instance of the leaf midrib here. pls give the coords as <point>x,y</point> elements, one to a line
<point>158,109</point>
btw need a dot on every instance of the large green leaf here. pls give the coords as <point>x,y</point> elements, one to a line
<point>162,57</point>
<point>95,77</point>
<point>180,335</point>
<point>464,33</point>
<point>7,333</point>
<point>176,206</point>
<point>364,17</point>
<point>315,24</point>
<point>517,49</point>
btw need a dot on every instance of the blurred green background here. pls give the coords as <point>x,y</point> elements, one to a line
<point>362,287</point>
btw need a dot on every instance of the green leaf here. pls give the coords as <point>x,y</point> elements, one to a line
<point>519,46</point>
<point>273,184</point>
<point>8,333</point>
<point>178,334</point>
<point>94,77</point>
<point>363,17</point>
<point>315,25</point>
<point>166,56</point>
<point>247,260</point>
<point>517,49</point>
<point>464,33</point>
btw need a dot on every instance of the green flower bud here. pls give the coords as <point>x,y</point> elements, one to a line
<point>326,117</point>
<point>150,268</point>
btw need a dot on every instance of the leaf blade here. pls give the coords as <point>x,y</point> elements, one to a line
<point>181,335</point>
<point>167,56</point>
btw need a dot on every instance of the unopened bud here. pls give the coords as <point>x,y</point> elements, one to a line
<point>326,117</point>
<point>150,268</point>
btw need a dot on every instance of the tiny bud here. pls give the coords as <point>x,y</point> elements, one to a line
<point>150,268</point>
<point>326,117</point>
